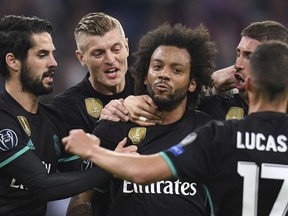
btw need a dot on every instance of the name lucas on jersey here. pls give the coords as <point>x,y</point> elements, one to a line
<point>161,187</point>
<point>261,142</point>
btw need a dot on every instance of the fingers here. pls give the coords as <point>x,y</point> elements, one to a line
<point>224,79</point>
<point>71,133</point>
<point>129,149</point>
<point>121,145</point>
<point>142,110</point>
<point>115,111</point>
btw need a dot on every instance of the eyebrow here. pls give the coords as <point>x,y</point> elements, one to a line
<point>173,63</point>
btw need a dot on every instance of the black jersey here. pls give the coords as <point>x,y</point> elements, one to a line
<point>224,107</point>
<point>81,105</point>
<point>243,162</point>
<point>171,197</point>
<point>30,149</point>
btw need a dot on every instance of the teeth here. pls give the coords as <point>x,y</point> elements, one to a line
<point>111,70</point>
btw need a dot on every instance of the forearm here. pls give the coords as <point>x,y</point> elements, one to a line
<point>63,185</point>
<point>92,202</point>
<point>29,171</point>
<point>81,204</point>
<point>139,169</point>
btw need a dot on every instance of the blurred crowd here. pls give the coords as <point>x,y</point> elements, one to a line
<point>224,19</point>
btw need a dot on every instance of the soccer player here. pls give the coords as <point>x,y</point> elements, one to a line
<point>243,162</point>
<point>172,65</point>
<point>31,153</point>
<point>103,49</point>
<point>227,106</point>
<point>235,106</point>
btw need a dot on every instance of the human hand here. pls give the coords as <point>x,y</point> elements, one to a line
<point>142,110</point>
<point>132,149</point>
<point>223,79</point>
<point>80,143</point>
<point>115,111</point>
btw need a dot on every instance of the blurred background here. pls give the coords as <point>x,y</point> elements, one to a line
<point>224,18</point>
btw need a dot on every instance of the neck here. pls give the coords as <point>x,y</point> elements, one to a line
<point>27,100</point>
<point>262,105</point>
<point>174,115</point>
<point>105,89</point>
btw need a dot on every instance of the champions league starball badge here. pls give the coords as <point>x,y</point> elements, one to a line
<point>8,139</point>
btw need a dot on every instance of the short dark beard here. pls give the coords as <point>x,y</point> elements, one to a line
<point>169,103</point>
<point>31,83</point>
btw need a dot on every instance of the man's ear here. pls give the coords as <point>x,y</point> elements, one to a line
<point>12,62</point>
<point>248,83</point>
<point>192,85</point>
<point>127,46</point>
<point>80,57</point>
<point>145,81</point>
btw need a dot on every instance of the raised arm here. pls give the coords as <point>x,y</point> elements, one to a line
<point>223,79</point>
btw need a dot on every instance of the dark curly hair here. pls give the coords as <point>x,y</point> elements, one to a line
<point>196,41</point>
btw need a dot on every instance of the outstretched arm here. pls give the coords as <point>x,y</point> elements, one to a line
<point>28,170</point>
<point>139,169</point>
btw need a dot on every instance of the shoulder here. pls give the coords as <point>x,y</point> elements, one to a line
<point>208,100</point>
<point>198,116</point>
<point>73,91</point>
<point>51,111</point>
<point>111,126</point>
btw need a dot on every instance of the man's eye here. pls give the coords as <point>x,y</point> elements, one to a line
<point>177,71</point>
<point>157,67</point>
<point>116,49</point>
<point>97,54</point>
<point>42,55</point>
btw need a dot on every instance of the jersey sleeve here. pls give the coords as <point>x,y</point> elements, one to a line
<point>69,112</point>
<point>199,155</point>
<point>12,140</point>
<point>110,133</point>
<point>29,171</point>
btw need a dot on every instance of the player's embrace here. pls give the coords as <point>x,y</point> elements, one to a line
<point>244,162</point>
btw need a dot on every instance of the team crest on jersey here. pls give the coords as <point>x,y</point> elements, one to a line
<point>94,107</point>
<point>235,113</point>
<point>25,125</point>
<point>137,134</point>
<point>8,139</point>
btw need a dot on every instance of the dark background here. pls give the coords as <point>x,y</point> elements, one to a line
<point>224,18</point>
